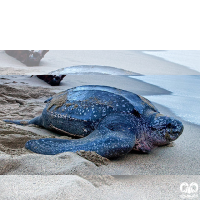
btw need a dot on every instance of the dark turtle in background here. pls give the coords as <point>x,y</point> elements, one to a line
<point>27,57</point>
<point>52,80</point>
<point>109,121</point>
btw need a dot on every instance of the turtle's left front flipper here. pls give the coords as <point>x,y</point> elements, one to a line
<point>106,143</point>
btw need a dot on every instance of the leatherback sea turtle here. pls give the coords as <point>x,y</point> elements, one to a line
<point>109,121</point>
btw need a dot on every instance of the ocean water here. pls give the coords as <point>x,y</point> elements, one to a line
<point>185,98</point>
<point>188,58</point>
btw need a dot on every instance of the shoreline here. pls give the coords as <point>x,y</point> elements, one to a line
<point>131,61</point>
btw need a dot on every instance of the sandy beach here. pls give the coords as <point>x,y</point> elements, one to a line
<point>23,96</point>
<point>74,187</point>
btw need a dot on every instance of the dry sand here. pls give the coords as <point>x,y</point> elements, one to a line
<point>130,61</point>
<point>22,97</point>
<point>62,187</point>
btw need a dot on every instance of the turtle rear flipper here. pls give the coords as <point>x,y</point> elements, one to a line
<point>18,122</point>
<point>36,121</point>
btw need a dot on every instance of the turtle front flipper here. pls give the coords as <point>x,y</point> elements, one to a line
<point>109,145</point>
<point>112,138</point>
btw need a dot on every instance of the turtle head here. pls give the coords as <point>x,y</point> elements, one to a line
<point>164,129</point>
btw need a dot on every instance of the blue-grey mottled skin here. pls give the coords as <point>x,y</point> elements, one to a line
<point>110,121</point>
